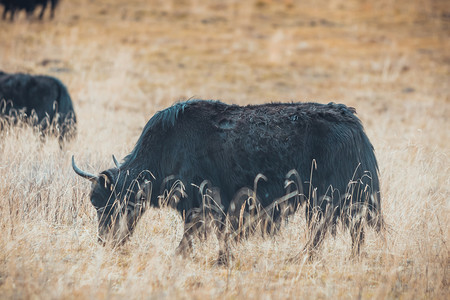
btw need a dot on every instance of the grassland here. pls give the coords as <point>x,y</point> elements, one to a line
<point>124,60</point>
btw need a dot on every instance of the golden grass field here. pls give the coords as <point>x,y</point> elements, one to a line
<point>124,60</point>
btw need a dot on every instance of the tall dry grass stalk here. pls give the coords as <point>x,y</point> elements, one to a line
<point>124,60</point>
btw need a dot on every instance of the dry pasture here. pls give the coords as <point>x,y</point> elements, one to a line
<point>124,60</point>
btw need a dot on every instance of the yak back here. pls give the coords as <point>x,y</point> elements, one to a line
<point>229,145</point>
<point>40,96</point>
<point>44,95</point>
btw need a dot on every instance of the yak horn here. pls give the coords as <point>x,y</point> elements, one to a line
<point>116,162</point>
<point>82,173</point>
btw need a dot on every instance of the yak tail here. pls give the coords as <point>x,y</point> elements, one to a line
<point>375,217</point>
<point>66,114</point>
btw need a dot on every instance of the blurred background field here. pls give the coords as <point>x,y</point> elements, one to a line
<point>124,60</point>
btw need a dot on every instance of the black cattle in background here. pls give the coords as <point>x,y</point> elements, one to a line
<point>42,101</point>
<point>12,6</point>
<point>218,157</point>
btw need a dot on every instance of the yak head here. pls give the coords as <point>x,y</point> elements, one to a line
<point>119,200</point>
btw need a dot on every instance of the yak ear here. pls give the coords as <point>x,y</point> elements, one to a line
<point>145,192</point>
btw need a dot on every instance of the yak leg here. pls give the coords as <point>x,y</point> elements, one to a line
<point>44,6</point>
<point>5,11</point>
<point>318,223</point>
<point>12,11</point>
<point>192,226</point>
<point>185,247</point>
<point>317,231</point>
<point>52,13</point>
<point>29,13</point>
<point>357,233</point>
<point>223,236</point>
<point>334,225</point>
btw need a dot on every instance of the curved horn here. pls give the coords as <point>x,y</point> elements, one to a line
<point>116,162</point>
<point>83,174</point>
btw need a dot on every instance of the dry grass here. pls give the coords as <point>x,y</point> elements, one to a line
<point>124,60</point>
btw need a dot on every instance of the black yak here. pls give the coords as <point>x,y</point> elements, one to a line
<point>285,154</point>
<point>29,6</point>
<point>42,101</point>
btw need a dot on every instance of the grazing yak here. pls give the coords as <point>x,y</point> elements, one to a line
<point>29,6</point>
<point>230,160</point>
<point>42,101</point>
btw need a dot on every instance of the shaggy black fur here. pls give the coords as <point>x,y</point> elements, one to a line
<point>229,145</point>
<point>40,100</point>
